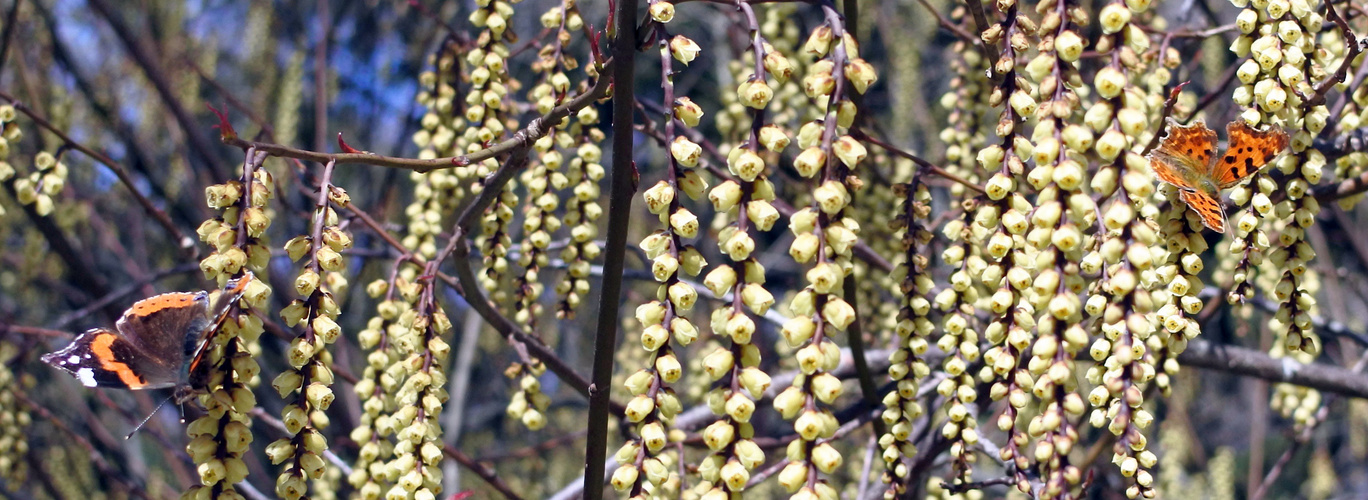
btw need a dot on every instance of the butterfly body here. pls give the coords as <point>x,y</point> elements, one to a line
<point>159,342</point>
<point>1186,159</point>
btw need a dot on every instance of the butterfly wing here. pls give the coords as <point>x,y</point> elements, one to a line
<point>1195,142</point>
<point>167,326</point>
<point>1208,207</point>
<point>103,358</point>
<point>232,291</point>
<point>1183,154</point>
<point>1249,150</point>
<point>1171,168</point>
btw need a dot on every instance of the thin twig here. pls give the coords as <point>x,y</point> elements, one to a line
<point>958,30</point>
<point>1215,94</point>
<point>1344,189</point>
<point>1248,362</point>
<point>981,24</point>
<point>534,130</point>
<point>977,485</point>
<point>107,471</point>
<point>489,475</point>
<point>1351,43</point>
<point>1163,117</point>
<point>930,167</point>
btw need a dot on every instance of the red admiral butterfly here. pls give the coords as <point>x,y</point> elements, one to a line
<point>160,342</point>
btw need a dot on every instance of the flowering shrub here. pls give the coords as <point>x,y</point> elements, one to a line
<point>708,250</point>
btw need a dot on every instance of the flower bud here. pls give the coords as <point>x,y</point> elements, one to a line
<point>685,152</point>
<point>778,66</point>
<point>684,223</point>
<point>804,247</point>
<point>831,196</point>
<point>692,184</point>
<point>1113,18</point>
<point>861,74</point>
<point>662,11</point>
<point>819,42</point>
<point>773,138</point>
<point>724,196</point>
<point>746,165</point>
<point>762,213</point>
<point>810,162</point>
<point>639,407</point>
<point>849,150</point>
<point>757,298</point>
<point>739,246</point>
<point>684,49</point>
<point>683,295</point>
<point>754,93</point>
<point>1109,82</point>
<point>687,111</point>
<point>659,197</point>
<point>718,363</point>
<point>1069,46</point>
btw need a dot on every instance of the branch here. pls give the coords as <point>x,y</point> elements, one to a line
<point>1345,189</point>
<point>534,130</point>
<point>97,459</point>
<point>981,25</point>
<point>486,473</point>
<point>1218,93</point>
<point>1253,363</point>
<point>869,390</point>
<point>978,485</point>
<point>1343,99</point>
<point>1163,117</point>
<point>1351,42</point>
<point>624,186</point>
<point>958,30</point>
<point>930,167</point>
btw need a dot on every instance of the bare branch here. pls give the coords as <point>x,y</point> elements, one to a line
<point>1252,363</point>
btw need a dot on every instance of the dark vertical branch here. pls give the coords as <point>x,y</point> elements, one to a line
<point>619,215</point>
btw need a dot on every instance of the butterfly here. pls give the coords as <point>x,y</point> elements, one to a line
<point>1187,159</point>
<point>158,342</point>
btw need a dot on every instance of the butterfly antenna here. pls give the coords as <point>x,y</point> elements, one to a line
<point>147,418</point>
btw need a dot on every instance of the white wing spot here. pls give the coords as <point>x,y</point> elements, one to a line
<point>86,376</point>
<point>73,359</point>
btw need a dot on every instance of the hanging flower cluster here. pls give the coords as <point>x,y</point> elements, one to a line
<point>906,365</point>
<point>310,377</point>
<point>644,467</point>
<point>436,193</point>
<point>744,210</point>
<point>14,422</point>
<point>379,383</point>
<point>420,391</point>
<point>220,437</point>
<point>823,239</point>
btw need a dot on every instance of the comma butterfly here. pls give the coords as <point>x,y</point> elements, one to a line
<point>1186,159</point>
